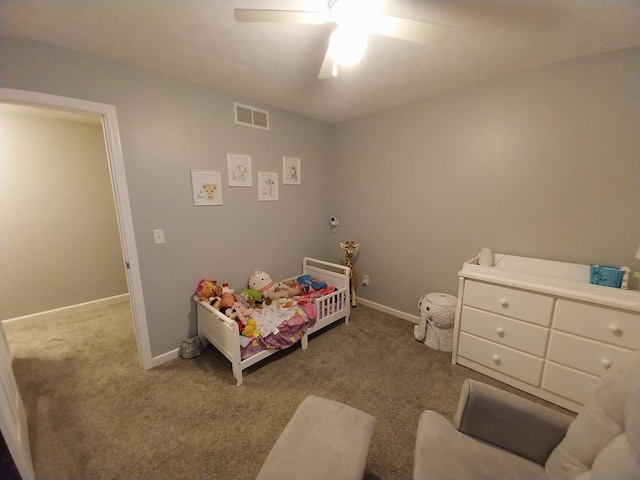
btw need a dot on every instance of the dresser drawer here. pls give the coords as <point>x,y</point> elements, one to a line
<point>605,324</point>
<point>528,306</point>
<point>505,331</point>
<point>511,362</point>
<point>568,383</point>
<point>584,354</point>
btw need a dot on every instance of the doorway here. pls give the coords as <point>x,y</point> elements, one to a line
<point>120,194</point>
<point>59,241</point>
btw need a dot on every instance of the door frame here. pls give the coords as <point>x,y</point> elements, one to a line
<point>13,416</point>
<point>120,193</point>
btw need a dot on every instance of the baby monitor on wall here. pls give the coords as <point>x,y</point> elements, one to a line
<point>334,221</point>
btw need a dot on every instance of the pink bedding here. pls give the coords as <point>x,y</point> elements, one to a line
<point>287,333</point>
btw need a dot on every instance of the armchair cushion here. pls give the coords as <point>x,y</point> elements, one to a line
<point>490,425</point>
<point>508,421</point>
<point>602,442</point>
<point>442,452</point>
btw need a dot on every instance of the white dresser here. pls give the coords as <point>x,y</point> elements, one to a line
<point>540,326</point>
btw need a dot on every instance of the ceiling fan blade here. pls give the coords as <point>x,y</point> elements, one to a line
<point>275,16</point>
<point>410,30</point>
<point>326,70</point>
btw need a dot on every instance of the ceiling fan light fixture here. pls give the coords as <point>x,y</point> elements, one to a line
<point>348,45</point>
<point>352,22</point>
<point>350,11</point>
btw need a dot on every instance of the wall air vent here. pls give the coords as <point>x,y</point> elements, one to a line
<point>251,117</point>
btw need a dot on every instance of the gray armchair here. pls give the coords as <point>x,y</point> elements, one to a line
<point>498,435</point>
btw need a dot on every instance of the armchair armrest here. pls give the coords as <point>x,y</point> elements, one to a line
<point>508,421</point>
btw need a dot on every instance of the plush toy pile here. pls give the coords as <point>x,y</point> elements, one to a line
<point>261,282</point>
<point>261,291</point>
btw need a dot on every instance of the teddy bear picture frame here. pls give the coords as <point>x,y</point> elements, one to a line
<point>291,171</point>
<point>267,186</point>
<point>239,170</point>
<point>207,187</point>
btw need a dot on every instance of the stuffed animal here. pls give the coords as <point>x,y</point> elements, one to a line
<point>250,329</point>
<point>207,289</point>
<point>262,283</point>
<point>226,300</point>
<point>309,281</point>
<point>246,326</point>
<point>252,297</point>
<point>283,290</point>
<point>244,313</point>
<point>214,302</point>
<point>232,313</point>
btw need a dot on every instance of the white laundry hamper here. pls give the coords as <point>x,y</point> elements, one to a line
<point>437,316</point>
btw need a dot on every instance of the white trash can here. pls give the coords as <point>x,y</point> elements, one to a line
<point>437,316</point>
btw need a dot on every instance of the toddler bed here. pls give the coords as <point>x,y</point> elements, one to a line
<point>311,315</point>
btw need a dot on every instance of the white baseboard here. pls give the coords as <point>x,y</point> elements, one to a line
<point>170,355</point>
<point>165,357</point>
<point>72,308</point>
<point>391,311</point>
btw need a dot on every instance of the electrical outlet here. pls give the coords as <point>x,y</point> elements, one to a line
<point>365,280</point>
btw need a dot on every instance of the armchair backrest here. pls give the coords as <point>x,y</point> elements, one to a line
<point>604,439</point>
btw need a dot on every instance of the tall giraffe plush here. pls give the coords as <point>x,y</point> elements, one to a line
<point>349,248</point>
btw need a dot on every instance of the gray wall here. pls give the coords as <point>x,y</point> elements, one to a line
<point>59,241</point>
<point>168,127</point>
<point>542,164</point>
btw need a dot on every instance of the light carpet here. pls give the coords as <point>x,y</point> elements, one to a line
<point>95,414</point>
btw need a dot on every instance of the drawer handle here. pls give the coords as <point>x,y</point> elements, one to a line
<point>615,329</point>
<point>500,331</point>
<point>496,359</point>
<point>606,363</point>
<point>504,303</point>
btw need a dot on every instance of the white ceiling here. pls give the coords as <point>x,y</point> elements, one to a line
<point>277,64</point>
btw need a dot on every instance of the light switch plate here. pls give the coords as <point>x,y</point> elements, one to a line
<point>158,236</point>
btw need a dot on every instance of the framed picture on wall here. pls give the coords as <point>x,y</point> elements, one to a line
<point>239,170</point>
<point>290,171</point>
<point>267,186</point>
<point>207,187</point>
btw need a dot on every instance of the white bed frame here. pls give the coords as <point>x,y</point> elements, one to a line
<point>222,332</point>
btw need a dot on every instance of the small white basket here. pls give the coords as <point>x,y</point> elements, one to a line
<point>437,316</point>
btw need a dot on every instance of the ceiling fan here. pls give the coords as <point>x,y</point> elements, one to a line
<point>354,20</point>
